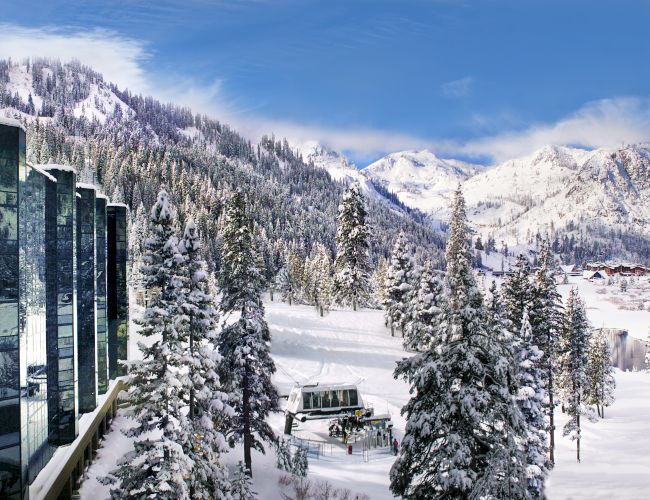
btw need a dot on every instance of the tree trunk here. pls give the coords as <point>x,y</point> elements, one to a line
<point>551,415</point>
<point>392,329</point>
<point>191,411</point>
<point>271,293</point>
<point>246,417</point>
<point>354,304</point>
<point>321,311</point>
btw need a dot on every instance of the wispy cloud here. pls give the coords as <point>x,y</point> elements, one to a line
<point>458,88</point>
<point>602,123</point>
<point>127,62</point>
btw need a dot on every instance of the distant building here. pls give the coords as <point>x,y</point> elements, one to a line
<point>53,320</point>
<point>616,268</point>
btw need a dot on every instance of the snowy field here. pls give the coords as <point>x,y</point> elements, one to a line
<point>350,347</point>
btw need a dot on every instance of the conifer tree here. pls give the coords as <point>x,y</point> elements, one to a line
<point>421,332</point>
<point>159,465</point>
<point>573,380</point>
<point>531,397</point>
<point>242,485</point>
<point>462,419</point>
<point>601,377</point>
<point>352,278</point>
<point>244,345</point>
<point>546,319</point>
<point>398,286</point>
<point>318,278</point>
<point>282,283</point>
<point>379,278</point>
<point>518,293</point>
<point>208,407</point>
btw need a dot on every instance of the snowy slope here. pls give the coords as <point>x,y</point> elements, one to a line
<point>420,179</point>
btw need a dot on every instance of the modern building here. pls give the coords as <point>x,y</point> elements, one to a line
<point>100,293</point>
<point>53,307</point>
<point>61,227</point>
<point>117,293</point>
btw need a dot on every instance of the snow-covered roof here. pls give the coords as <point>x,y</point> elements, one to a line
<point>11,122</point>
<point>118,205</point>
<point>56,166</point>
<point>102,196</point>
<point>43,172</point>
<point>84,185</point>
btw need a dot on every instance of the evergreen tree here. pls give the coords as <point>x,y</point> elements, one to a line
<point>318,278</point>
<point>518,293</point>
<point>242,485</point>
<point>421,332</point>
<point>601,377</point>
<point>398,286</point>
<point>573,381</point>
<point>379,278</point>
<point>462,419</point>
<point>159,465</point>
<point>546,319</point>
<point>352,278</point>
<point>208,408</point>
<point>300,462</point>
<point>282,283</point>
<point>244,345</point>
<point>283,455</point>
<point>531,397</point>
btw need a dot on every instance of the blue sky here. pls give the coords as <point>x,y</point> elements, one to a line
<point>483,79</point>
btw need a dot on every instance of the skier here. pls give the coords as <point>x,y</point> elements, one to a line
<point>395,446</point>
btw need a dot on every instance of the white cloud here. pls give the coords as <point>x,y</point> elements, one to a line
<point>119,58</point>
<point>458,88</point>
<point>602,123</point>
<point>124,61</point>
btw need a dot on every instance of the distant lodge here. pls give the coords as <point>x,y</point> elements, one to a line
<point>591,270</point>
<point>612,269</point>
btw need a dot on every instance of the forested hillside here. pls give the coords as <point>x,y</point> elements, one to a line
<point>132,145</point>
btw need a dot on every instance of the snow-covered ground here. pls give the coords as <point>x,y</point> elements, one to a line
<point>345,346</point>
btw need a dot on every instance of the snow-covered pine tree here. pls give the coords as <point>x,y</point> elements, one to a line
<point>462,418</point>
<point>421,332</point>
<point>517,293</point>
<point>398,286</point>
<point>244,345</point>
<point>546,318</point>
<point>208,407</point>
<point>159,466</point>
<point>300,462</point>
<point>351,266</point>
<point>379,282</point>
<point>242,485</point>
<point>282,283</point>
<point>600,374</point>
<point>283,455</point>
<point>531,397</point>
<point>573,381</point>
<point>318,278</point>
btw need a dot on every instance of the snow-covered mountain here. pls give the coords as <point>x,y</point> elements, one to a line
<point>588,195</point>
<point>420,179</point>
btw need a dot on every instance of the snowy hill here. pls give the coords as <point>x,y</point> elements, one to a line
<point>420,179</point>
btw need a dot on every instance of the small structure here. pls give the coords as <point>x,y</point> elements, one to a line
<point>594,275</point>
<point>572,270</point>
<point>327,401</point>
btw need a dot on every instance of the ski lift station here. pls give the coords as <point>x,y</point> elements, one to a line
<point>328,401</point>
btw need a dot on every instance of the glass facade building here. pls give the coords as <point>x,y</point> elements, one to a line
<point>86,281</point>
<point>61,227</point>
<point>62,290</point>
<point>117,293</point>
<point>100,294</point>
<point>13,417</point>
